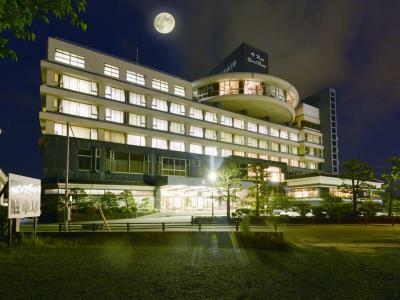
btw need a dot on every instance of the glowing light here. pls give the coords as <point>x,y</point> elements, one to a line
<point>164,23</point>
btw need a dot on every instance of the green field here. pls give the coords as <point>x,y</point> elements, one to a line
<point>321,262</point>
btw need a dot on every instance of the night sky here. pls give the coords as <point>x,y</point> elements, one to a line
<point>353,46</point>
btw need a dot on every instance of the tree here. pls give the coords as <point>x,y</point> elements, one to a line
<point>126,196</point>
<point>392,182</point>
<point>17,17</point>
<point>260,188</point>
<point>369,207</point>
<point>80,198</point>
<point>334,206</point>
<point>108,201</point>
<point>144,204</point>
<point>228,181</point>
<point>358,172</point>
<point>279,200</point>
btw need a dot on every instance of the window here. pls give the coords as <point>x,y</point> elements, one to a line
<point>84,159</point>
<point>137,99</point>
<point>294,150</point>
<point>160,124</point>
<point>252,87</point>
<point>274,132</point>
<point>238,123</point>
<point>75,131</point>
<point>78,109</point>
<point>285,160</point>
<point>238,139</point>
<point>252,126</point>
<point>137,120</point>
<point>196,131</point>
<point>78,85</point>
<point>115,94</point>
<point>252,155</point>
<point>136,163</point>
<point>179,90</point>
<point>173,166</point>
<point>69,58</point>
<point>210,117</point>
<point>135,77</point>
<point>112,71</point>
<point>303,164</point>
<point>159,85</point>
<point>252,142</point>
<point>238,153</point>
<point>226,137</point>
<point>312,166</point>
<point>274,146</point>
<point>284,134</point>
<point>294,136</point>
<point>226,152</point>
<point>294,163</point>
<point>113,115</point>
<point>177,146</point>
<point>114,137</point>
<point>136,140</point>
<point>274,158</point>
<point>262,129</point>
<point>93,133</point>
<point>229,87</point>
<point>194,148</point>
<point>225,120</point>
<point>284,148</point>
<point>196,113</point>
<point>119,162</point>
<point>177,109</point>
<point>263,156</point>
<point>210,134</point>
<point>262,144</point>
<point>177,127</point>
<point>159,143</point>
<point>159,104</point>
<point>210,151</point>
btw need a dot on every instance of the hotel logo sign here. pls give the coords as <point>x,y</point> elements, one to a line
<point>256,59</point>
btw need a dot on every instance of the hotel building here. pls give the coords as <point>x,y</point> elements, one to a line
<point>157,135</point>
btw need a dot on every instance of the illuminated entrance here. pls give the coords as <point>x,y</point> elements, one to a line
<point>190,198</point>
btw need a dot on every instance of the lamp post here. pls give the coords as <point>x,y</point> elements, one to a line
<point>212,177</point>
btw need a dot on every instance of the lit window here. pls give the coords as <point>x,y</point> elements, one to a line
<point>159,85</point>
<point>60,129</point>
<point>179,90</point>
<point>113,115</point>
<point>252,155</point>
<point>115,94</point>
<point>196,113</point>
<point>196,131</point>
<point>137,120</point>
<point>252,126</point>
<point>262,144</point>
<point>194,148</point>
<point>284,148</point>
<point>284,134</point>
<point>312,166</point>
<point>238,153</point>
<point>78,85</point>
<point>274,146</point>
<point>93,134</point>
<point>210,151</point>
<point>177,109</point>
<point>177,127</point>
<point>135,77</point>
<point>78,109</point>
<point>252,87</point>
<point>294,163</point>
<point>229,87</point>
<point>114,137</point>
<point>137,99</point>
<point>159,143</point>
<point>136,140</point>
<point>173,166</point>
<point>225,120</point>
<point>238,139</point>
<point>294,136</point>
<point>262,129</point>
<point>112,71</point>
<point>252,142</point>
<point>238,123</point>
<point>226,137</point>
<point>69,58</point>
<point>159,104</point>
<point>177,146</point>
<point>263,156</point>
<point>284,160</point>
<point>274,158</point>
<point>210,117</point>
<point>294,150</point>
<point>160,124</point>
<point>226,152</point>
<point>210,134</point>
<point>274,132</point>
<point>303,164</point>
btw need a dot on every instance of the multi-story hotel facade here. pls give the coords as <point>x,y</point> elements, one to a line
<point>135,128</point>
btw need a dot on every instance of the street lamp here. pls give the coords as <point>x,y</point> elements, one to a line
<point>212,177</point>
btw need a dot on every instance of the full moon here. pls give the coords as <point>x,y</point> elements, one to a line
<point>164,23</point>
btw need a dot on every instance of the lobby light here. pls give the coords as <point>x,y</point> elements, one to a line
<point>212,176</point>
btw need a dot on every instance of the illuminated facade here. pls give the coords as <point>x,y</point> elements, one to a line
<point>157,135</point>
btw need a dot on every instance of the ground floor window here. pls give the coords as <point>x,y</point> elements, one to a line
<point>174,166</point>
<point>124,162</point>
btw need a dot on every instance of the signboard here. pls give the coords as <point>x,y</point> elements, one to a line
<point>245,58</point>
<point>23,197</point>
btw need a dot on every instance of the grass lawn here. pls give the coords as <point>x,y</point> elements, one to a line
<point>302,271</point>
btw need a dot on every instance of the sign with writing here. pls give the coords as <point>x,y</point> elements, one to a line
<point>23,197</point>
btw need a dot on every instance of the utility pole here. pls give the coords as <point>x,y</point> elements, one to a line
<point>66,182</point>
